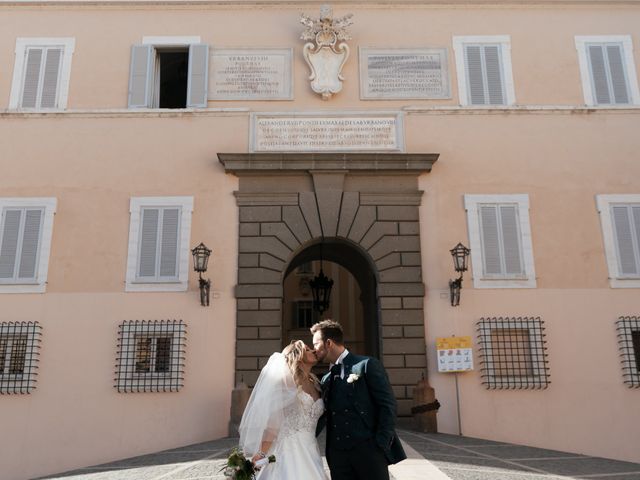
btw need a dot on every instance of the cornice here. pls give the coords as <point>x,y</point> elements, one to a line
<point>309,3</point>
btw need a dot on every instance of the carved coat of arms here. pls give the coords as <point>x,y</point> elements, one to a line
<point>329,53</point>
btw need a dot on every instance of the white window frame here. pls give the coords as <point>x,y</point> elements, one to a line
<point>582,41</point>
<point>133,284</point>
<point>504,41</point>
<point>604,204</point>
<point>17,84</point>
<point>49,206</point>
<point>164,41</point>
<point>528,280</point>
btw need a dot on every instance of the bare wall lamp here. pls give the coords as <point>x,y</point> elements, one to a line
<point>200,260</point>
<point>460,254</point>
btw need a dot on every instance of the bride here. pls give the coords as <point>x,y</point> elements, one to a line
<point>281,417</point>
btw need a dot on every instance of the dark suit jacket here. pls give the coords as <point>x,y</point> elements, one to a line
<point>374,401</point>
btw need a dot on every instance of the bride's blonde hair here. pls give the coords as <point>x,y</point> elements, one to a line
<point>293,354</point>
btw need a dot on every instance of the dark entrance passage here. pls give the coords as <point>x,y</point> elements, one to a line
<point>353,298</point>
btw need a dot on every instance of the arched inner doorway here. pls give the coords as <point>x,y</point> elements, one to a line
<point>353,298</point>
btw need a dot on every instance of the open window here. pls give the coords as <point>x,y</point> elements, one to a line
<point>169,73</point>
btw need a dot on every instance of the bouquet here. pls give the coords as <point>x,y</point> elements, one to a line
<point>239,467</point>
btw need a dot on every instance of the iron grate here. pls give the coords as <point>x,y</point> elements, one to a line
<point>19,356</point>
<point>629,344</point>
<point>513,353</point>
<point>151,355</point>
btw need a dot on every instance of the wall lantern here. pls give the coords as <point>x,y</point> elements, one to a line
<point>321,289</point>
<point>200,260</point>
<point>460,254</point>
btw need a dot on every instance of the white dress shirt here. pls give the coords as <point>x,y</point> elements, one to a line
<point>339,361</point>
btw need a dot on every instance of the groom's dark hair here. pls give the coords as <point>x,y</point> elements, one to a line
<point>329,329</point>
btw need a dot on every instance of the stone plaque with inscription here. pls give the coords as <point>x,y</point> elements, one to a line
<point>395,73</point>
<point>323,132</point>
<point>251,74</point>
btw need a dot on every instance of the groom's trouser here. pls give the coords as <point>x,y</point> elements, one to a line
<point>365,461</point>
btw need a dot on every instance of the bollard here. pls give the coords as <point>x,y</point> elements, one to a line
<point>425,407</point>
<point>239,399</point>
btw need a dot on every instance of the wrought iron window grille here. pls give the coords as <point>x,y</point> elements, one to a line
<point>629,344</point>
<point>19,356</point>
<point>151,355</point>
<point>513,353</point>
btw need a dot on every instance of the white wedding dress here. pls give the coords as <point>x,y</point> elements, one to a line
<point>280,412</point>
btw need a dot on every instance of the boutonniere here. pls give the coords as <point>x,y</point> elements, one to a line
<point>353,378</point>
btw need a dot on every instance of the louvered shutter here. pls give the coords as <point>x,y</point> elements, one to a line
<point>625,230</point>
<point>475,77</point>
<point>198,75</point>
<point>494,74</point>
<point>169,242</point>
<point>147,257</point>
<point>50,78</point>
<point>599,74</point>
<point>30,243</point>
<point>31,77</point>
<point>9,246</point>
<point>490,233</point>
<point>140,76</point>
<point>511,240</point>
<point>618,78</point>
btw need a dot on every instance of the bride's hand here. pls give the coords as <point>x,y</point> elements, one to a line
<point>258,456</point>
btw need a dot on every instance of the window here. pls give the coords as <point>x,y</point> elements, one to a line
<point>159,235</point>
<point>305,268</point>
<point>150,356</point>
<point>513,353</point>
<point>629,344</point>
<point>620,219</point>
<point>41,73</point>
<point>607,70</point>
<point>26,226</point>
<point>500,239</point>
<point>169,72</point>
<point>19,345</point>
<point>304,316</point>
<point>484,70</point>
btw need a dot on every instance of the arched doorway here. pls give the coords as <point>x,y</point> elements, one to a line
<point>353,299</point>
<point>366,208</point>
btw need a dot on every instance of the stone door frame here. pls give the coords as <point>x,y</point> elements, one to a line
<point>289,201</point>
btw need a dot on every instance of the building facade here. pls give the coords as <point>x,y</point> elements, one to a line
<point>131,131</point>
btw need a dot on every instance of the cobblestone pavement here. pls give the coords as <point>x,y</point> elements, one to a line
<point>431,457</point>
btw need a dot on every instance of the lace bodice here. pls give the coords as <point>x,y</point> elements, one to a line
<point>302,415</point>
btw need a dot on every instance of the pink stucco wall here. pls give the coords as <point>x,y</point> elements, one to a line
<point>94,161</point>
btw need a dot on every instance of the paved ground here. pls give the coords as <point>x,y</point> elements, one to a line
<point>431,457</point>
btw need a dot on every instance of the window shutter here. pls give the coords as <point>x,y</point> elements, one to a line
<point>50,78</point>
<point>31,77</point>
<point>198,75</point>
<point>30,243</point>
<point>490,240</point>
<point>9,246</point>
<point>475,76</point>
<point>494,74</point>
<point>140,76</point>
<point>599,74</point>
<point>624,231</point>
<point>511,239</point>
<point>148,242</point>
<point>618,79</point>
<point>169,242</point>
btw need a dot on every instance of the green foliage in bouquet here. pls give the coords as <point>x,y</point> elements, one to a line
<point>239,467</point>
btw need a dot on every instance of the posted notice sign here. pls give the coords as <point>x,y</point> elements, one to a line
<point>454,354</point>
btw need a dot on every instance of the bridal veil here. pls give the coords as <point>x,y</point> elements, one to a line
<point>264,414</point>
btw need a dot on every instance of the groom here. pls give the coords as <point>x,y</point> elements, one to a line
<point>360,410</point>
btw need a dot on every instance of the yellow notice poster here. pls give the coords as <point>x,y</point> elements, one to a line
<point>454,354</point>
